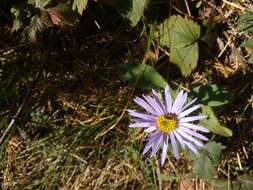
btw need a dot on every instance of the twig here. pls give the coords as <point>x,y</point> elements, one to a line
<point>239,161</point>
<point>213,6</point>
<point>243,9</point>
<point>23,103</point>
<point>226,46</point>
<point>187,8</point>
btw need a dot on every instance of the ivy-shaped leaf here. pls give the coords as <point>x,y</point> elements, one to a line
<point>213,124</point>
<point>181,35</point>
<point>79,5</point>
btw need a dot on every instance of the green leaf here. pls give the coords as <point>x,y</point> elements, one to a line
<point>70,17</point>
<point>178,29</point>
<point>132,10</point>
<point>246,182</point>
<point>79,5</point>
<point>242,183</point>
<point>250,60</point>
<point>245,22</point>
<point>213,124</point>
<point>38,23</point>
<point>39,3</point>
<point>181,35</point>
<point>17,23</point>
<point>149,77</point>
<point>213,95</point>
<point>137,11</point>
<point>209,157</point>
<point>249,44</point>
<point>185,58</point>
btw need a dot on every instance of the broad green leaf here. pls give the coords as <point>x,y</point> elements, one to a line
<point>186,57</point>
<point>79,5</point>
<point>245,22</point>
<point>213,124</point>
<point>39,3</point>
<point>17,23</point>
<point>246,182</point>
<point>249,44</point>
<point>132,10</point>
<point>250,60</point>
<point>242,183</point>
<point>181,35</point>
<point>70,17</point>
<point>149,77</point>
<point>204,164</point>
<point>221,184</point>
<point>137,11</point>
<point>38,23</point>
<point>178,29</point>
<point>212,95</point>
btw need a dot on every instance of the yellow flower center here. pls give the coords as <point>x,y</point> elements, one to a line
<point>167,123</point>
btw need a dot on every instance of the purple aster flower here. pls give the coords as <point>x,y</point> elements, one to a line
<point>167,121</point>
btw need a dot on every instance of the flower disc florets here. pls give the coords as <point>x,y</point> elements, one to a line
<point>167,123</point>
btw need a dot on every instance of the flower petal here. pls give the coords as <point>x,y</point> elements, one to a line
<point>151,140</point>
<point>194,127</point>
<point>179,102</point>
<point>174,145</point>
<point>157,146</point>
<point>168,99</point>
<point>165,149</point>
<point>192,147</point>
<point>188,111</point>
<point>194,133</point>
<point>150,129</point>
<point>142,115</point>
<point>140,120</point>
<point>192,118</point>
<point>179,139</point>
<point>141,102</point>
<point>154,104</point>
<point>139,125</point>
<point>184,98</point>
<point>189,104</point>
<point>158,100</point>
<point>188,137</point>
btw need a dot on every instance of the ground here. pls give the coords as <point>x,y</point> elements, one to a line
<point>73,132</point>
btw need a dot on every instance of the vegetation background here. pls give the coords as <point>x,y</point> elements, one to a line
<point>69,70</point>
